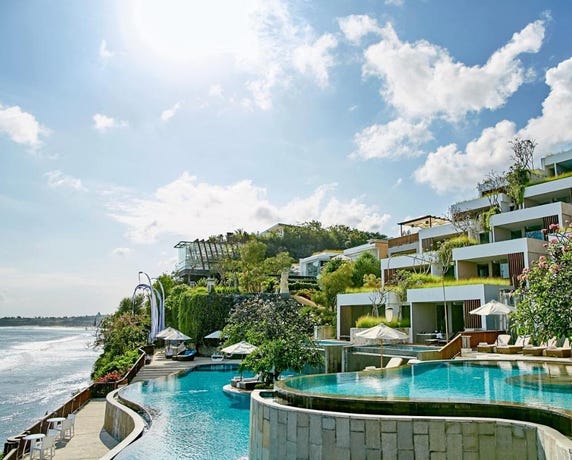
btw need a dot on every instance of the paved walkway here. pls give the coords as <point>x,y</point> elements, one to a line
<point>90,440</point>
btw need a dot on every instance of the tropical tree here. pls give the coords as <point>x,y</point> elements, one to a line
<point>545,292</point>
<point>280,329</point>
<point>366,264</point>
<point>334,283</point>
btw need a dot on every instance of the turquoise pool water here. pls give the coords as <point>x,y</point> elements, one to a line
<point>533,384</point>
<point>192,417</point>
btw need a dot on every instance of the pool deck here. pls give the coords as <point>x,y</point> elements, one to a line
<point>91,441</point>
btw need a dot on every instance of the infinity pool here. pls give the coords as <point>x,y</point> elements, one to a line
<point>532,384</point>
<point>192,417</point>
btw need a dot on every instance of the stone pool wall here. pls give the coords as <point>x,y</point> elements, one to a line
<point>286,432</point>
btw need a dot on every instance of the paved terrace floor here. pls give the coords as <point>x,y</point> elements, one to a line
<point>91,441</point>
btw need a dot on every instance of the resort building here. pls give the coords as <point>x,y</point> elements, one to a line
<point>197,259</point>
<point>510,237</point>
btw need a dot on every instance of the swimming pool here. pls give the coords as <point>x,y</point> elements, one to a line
<point>192,417</point>
<point>521,390</point>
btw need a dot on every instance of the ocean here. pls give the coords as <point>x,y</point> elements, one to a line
<point>40,368</point>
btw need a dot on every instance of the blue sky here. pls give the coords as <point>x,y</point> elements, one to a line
<point>128,126</point>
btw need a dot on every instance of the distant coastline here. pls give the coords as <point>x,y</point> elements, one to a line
<point>66,321</point>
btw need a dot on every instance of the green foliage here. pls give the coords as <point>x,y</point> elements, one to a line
<point>173,303</point>
<point>298,286</point>
<point>280,328</point>
<point>545,293</point>
<point>486,217</point>
<point>201,313</point>
<point>107,364</point>
<point>371,281</point>
<point>368,321</point>
<point>366,264</point>
<point>310,237</point>
<point>331,266</point>
<point>519,172</point>
<point>120,335</point>
<point>334,283</point>
<point>445,251</point>
<point>319,316</point>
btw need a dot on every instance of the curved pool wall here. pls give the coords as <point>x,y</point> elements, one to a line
<point>279,431</point>
<point>319,421</point>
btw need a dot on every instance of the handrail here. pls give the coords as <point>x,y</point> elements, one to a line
<point>453,347</point>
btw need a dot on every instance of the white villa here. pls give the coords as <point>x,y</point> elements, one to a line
<point>514,238</point>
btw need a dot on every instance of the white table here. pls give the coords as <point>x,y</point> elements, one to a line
<point>32,438</point>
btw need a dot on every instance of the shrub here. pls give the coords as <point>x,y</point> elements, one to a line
<point>368,321</point>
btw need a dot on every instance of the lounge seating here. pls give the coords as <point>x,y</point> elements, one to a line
<point>517,347</point>
<point>559,352</point>
<point>538,350</point>
<point>485,347</point>
<point>501,340</point>
<point>185,355</point>
<point>394,362</point>
<point>217,356</point>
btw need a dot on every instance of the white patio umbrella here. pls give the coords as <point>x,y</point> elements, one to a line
<point>240,348</point>
<point>175,336</point>
<point>382,332</point>
<point>494,307</point>
<point>165,332</point>
<point>214,335</point>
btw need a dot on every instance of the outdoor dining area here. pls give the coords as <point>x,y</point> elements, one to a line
<point>43,445</point>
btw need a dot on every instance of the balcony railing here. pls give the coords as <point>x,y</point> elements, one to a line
<point>405,239</point>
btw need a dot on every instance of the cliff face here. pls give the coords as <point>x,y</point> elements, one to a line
<point>66,321</point>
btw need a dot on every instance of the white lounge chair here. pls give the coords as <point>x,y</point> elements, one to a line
<point>394,362</point>
<point>217,356</point>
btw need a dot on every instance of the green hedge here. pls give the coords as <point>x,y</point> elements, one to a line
<point>200,313</point>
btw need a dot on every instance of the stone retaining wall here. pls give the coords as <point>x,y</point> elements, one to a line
<point>121,422</point>
<point>286,432</point>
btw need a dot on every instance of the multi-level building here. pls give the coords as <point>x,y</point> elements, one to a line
<point>508,242</point>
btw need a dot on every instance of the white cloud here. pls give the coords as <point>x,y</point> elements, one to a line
<point>552,129</point>
<point>104,52</point>
<point>398,182</point>
<point>396,139</point>
<point>491,151</point>
<point>421,79</point>
<point>394,2</point>
<point>315,59</point>
<point>215,91</point>
<point>169,113</point>
<point>121,252</point>
<point>21,127</point>
<point>357,26</point>
<point>449,169</point>
<point>57,179</point>
<point>192,209</point>
<point>102,122</point>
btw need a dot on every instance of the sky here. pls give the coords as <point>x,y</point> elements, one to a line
<point>128,126</point>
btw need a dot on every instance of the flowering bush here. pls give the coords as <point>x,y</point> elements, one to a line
<point>544,309</point>
<point>110,377</point>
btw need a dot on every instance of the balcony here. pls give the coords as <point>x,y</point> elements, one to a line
<point>405,243</point>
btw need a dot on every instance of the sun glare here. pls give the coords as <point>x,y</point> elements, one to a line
<point>188,32</point>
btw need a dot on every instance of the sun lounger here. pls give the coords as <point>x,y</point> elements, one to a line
<point>394,362</point>
<point>517,347</point>
<point>559,352</point>
<point>217,356</point>
<point>186,355</point>
<point>484,347</point>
